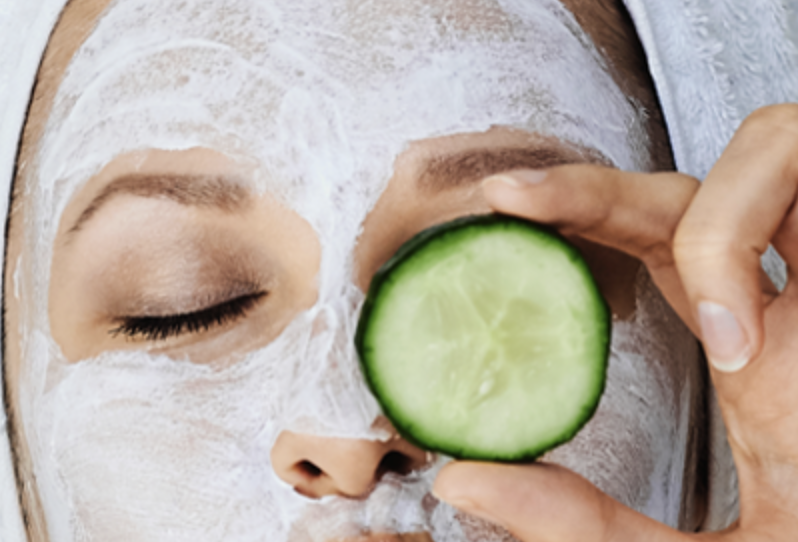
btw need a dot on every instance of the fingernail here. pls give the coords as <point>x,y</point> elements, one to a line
<point>724,340</point>
<point>517,179</point>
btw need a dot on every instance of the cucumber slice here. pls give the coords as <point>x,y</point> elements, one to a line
<point>486,338</point>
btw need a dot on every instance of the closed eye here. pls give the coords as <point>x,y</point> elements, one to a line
<point>159,328</point>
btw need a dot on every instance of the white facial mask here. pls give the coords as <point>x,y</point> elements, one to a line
<point>321,96</point>
<point>635,446</point>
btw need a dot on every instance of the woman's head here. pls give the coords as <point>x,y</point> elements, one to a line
<point>205,195</point>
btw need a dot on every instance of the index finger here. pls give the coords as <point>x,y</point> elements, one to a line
<point>636,213</point>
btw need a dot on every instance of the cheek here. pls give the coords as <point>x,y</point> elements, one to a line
<point>130,434</point>
<point>636,447</point>
<point>633,440</point>
<point>143,444</point>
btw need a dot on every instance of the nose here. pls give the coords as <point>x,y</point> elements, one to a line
<point>320,466</point>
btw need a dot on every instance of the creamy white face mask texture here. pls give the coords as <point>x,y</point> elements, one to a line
<point>319,97</point>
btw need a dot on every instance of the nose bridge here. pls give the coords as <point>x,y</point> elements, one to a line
<point>331,392</point>
<point>342,445</point>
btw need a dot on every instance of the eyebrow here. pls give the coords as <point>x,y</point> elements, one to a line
<point>439,173</point>
<point>460,169</point>
<point>219,192</point>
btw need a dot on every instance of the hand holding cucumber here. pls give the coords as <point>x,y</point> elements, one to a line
<point>701,246</point>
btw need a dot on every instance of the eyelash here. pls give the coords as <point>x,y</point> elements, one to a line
<point>159,328</point>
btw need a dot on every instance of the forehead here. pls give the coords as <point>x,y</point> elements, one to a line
<point>247,25</point>
<point>332,42</point>
<point>274,79</point>
<point>318,45</point>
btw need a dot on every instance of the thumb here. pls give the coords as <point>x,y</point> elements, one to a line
<point>739,210</point>
<point>544,502</point>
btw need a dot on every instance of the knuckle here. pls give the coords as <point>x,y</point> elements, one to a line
<point>782,117</point>
<point>581,179</point>
<point>582,174</point>
<point>683,251</point>
<point>690,247</point>
<point>713,255</point>
<point>682,179</point>
<point>681,190</point>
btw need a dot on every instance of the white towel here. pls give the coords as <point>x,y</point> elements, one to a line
<point>25,27</point>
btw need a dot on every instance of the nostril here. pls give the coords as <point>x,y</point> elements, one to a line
<point>309,469</point>
<point>317,467</point>
<point>395,462</point>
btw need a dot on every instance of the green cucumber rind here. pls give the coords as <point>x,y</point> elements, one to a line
<point>399,421</point>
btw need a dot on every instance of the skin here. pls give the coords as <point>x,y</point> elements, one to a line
<point>703,246</point>
<point>81,327</point>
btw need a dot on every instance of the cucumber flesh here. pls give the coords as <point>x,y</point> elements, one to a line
<point>486,338</point>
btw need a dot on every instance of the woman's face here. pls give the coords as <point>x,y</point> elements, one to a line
<point>215,186</point>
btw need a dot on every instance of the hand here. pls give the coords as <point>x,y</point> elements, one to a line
<point>701,244</point>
